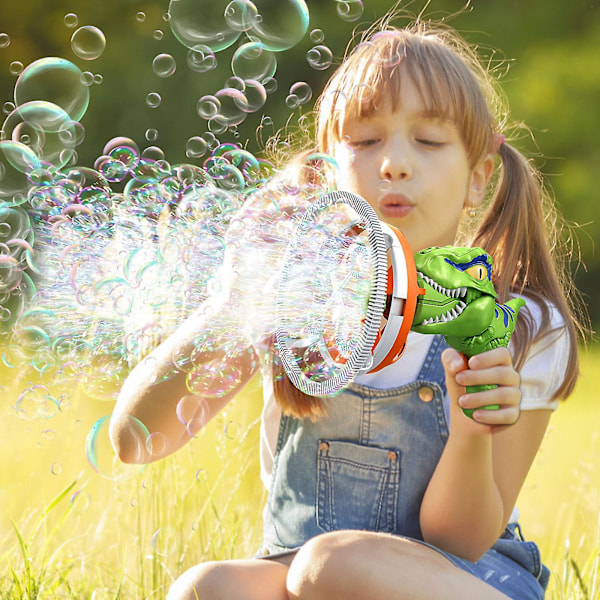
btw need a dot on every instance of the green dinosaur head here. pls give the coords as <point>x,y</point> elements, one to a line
<point>459,295</point>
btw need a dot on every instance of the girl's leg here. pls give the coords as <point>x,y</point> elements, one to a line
<point>232,580</point>
<point>360,565</point>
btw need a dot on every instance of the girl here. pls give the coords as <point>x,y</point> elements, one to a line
<point>388,490</point>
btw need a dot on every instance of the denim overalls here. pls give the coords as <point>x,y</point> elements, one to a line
<point>367,466</point>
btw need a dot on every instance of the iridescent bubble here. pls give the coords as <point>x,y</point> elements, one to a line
<point>256,95</point>
<point>10,273</point>
<point>165,541</point>
<point>71,20</point>
<point>241,15</point>
<point>201,59</point>
<point>317,35</point>
<point>153,100</point>
<point>4,40</point>
<point>101,455</point>
<point>88,42</point>
<point>164,65</point>
<point>50,119</point>
<point>253,61</point>
<point>80,501</point>
<point>233,106</point>
<point>349,10</point>
<point>193,412</point>
<point>87,78</point>
<point>36,402</point>
<point>319,57</point>
<point>208,106</point>
<point>8,107</point>
<point>16,160</point>
<point>151,135</point>
<point>282,24</point>
<point>231,430</point>
<point>195,147</point>
<point>156,154</point>
<point>124,150</point>
<point>270,84</point>
<point>194,23</point>
<point>16,67</point>
<point>302,91</point>
<point>158,444</point>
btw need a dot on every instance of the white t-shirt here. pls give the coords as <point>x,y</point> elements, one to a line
<point>541,375</point>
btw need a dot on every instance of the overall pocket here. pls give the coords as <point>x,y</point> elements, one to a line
<point>357,486</point>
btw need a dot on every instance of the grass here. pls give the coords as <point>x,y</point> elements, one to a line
<point>67,532</point>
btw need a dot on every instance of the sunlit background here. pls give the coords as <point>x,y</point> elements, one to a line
<point>73,522</point>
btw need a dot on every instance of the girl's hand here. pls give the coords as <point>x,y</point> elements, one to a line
<point>493,367</point>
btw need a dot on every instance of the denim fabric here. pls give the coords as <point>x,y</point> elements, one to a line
<point>367,465</point>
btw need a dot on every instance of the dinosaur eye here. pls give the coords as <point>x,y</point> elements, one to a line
<point>478,272</point>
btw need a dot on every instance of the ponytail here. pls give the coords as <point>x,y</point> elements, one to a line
<point>521,232</point>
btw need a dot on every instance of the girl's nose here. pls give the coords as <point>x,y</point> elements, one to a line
<point>396,164</point>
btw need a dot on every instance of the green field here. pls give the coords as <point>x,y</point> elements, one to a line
<point>68,532</point>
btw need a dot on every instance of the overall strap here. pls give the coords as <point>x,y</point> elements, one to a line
<point>432,369</point>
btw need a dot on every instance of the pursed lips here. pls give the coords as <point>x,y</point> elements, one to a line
<point>395,205</point>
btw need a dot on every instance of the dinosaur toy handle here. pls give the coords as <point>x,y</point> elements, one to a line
<point>460,303</point>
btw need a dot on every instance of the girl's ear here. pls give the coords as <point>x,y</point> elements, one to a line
<point>480,177</point>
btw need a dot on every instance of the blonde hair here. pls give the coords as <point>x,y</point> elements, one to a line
<point>520,228</point>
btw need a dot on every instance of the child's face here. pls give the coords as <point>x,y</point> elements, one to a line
<point>412,168</point>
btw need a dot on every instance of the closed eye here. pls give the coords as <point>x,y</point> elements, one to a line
<point>431,143</point>
<point>364,143</point>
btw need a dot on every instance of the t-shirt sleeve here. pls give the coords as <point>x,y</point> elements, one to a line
<point>544,368</point>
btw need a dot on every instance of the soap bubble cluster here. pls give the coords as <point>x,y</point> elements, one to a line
<point>100,263</point>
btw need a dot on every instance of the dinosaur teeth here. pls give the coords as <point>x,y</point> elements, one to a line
<point>460,292</point>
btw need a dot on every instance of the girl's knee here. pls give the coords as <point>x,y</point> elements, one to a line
<point>316,569</point>
<point>201,582</point>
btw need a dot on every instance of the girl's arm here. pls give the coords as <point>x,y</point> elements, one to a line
<point>153,390</point>
<point>475,485</point>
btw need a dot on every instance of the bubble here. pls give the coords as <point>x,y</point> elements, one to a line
<point>201,59</point>
<point>88,42</point>
<point>50,119</point>
<point>319,57</point>
<point>56,468</point>
<point>16,160</point>
<point>10,274</point>
<point>98,79</point>
<point>233,106</point>
<point>253,61</point>
<point>283,24</point>
<point>349,10</point>
<point>157,444</point>
<point>208,106</point>
<point>16,67</point>
<point>87,78</point>
<point>8,107</point>
<point>153,100</point>
<point>101,455</point>
<point>4,40</point>
<point>241,15</point>
<point>140,16</point>
<point>302,91</point>
<point>194,23</point>
<point>195,147</point>
<point>193,412</point>
<point>231,430</point>
<point>71,20</point>
<point>256,95</point>
<point>270,84</point>
<point>36,402</point>
<point>317,35</point>
<point>158,34</point>
<point>164,65</point>
<point>165,541</point>
<point>80,501</point>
